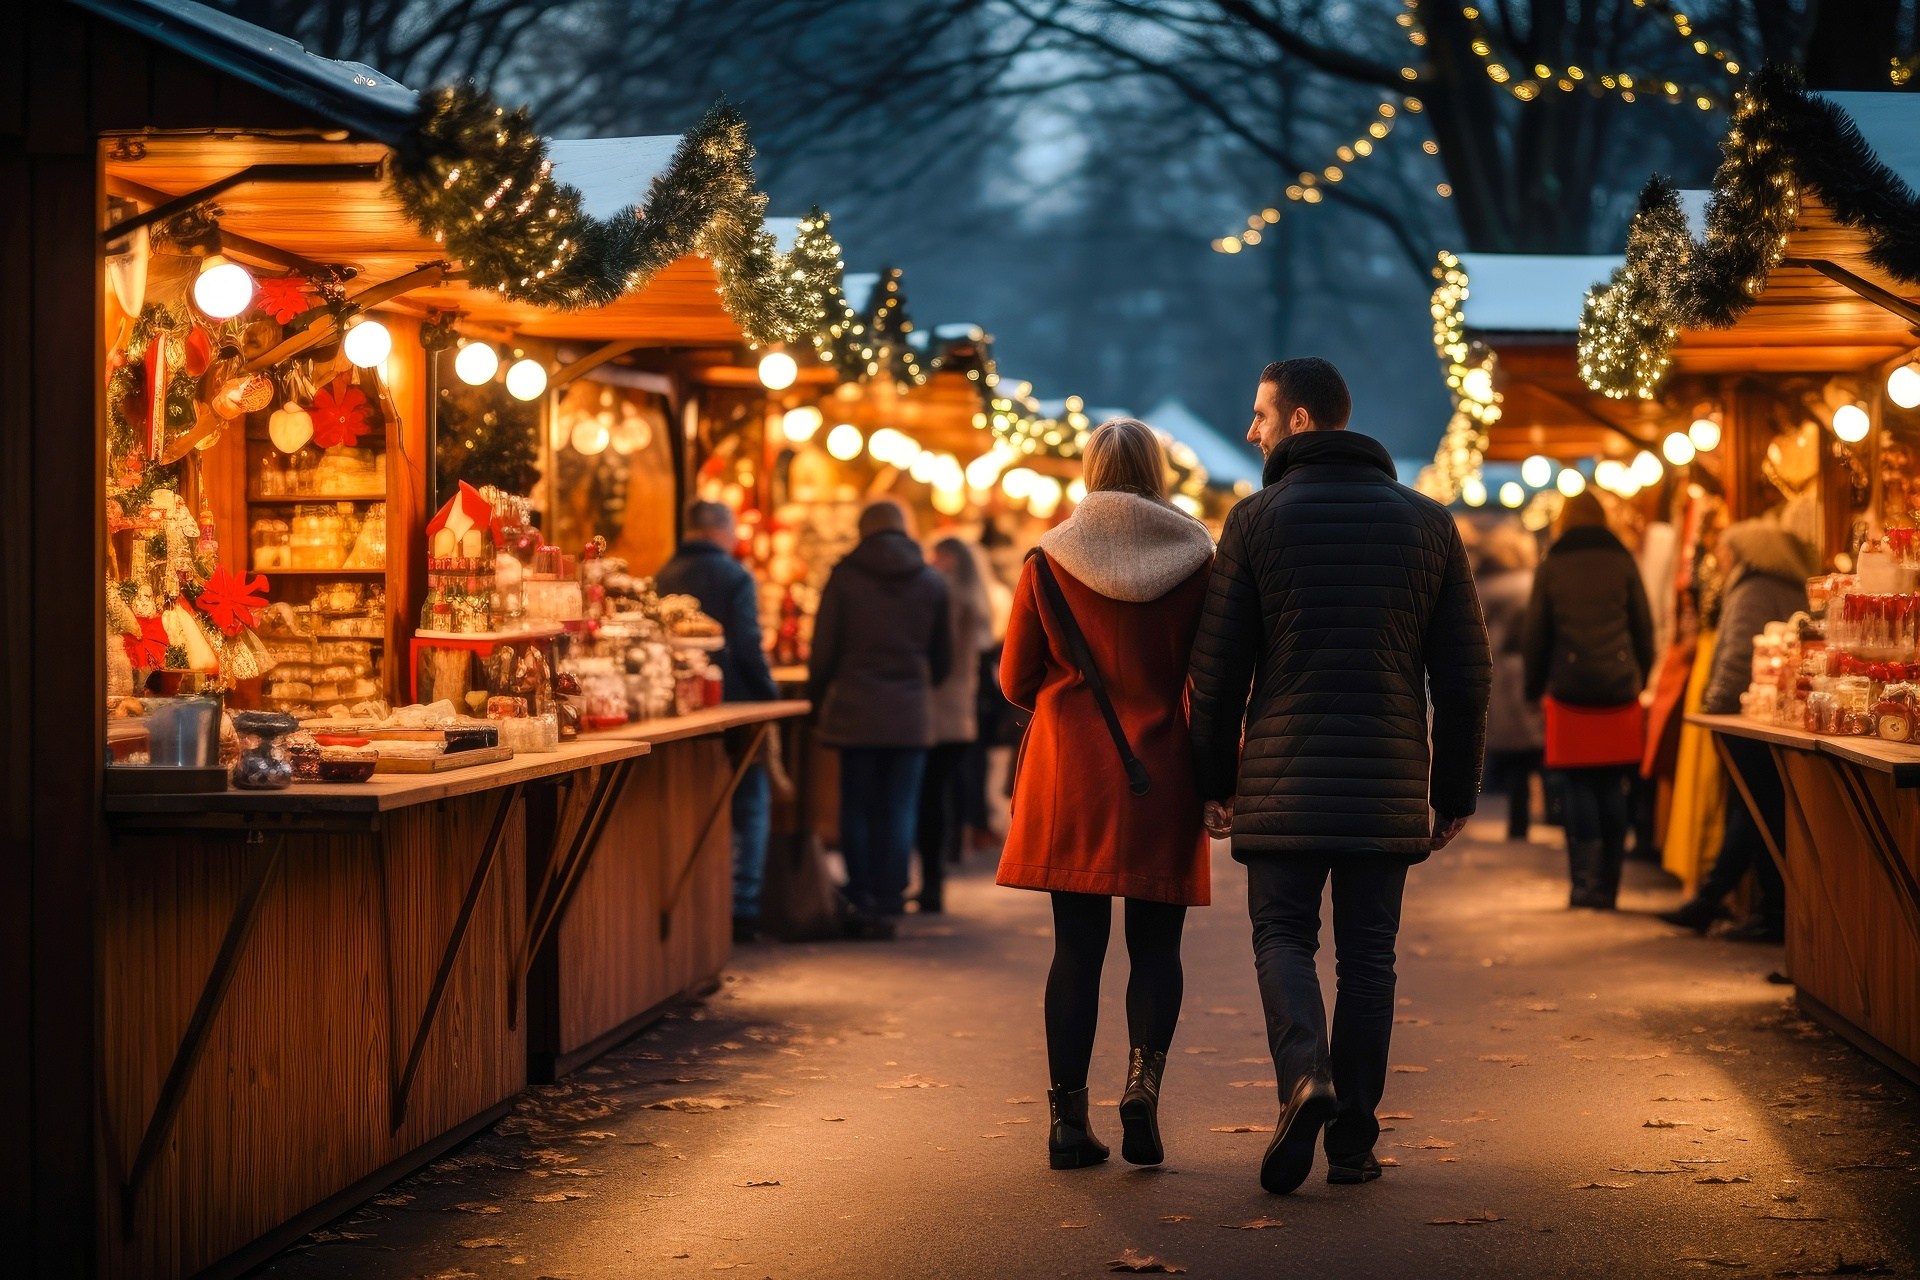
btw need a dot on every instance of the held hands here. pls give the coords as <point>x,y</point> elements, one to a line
<point>1217,817</point>
<point>1444,830</point>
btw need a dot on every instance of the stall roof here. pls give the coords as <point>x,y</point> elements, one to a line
<point>1226,463</point>
<point>1530,292</point>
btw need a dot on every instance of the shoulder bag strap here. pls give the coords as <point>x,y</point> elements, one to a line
<point>1138,780</point>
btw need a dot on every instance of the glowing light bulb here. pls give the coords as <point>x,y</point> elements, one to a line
<point>1646,470</point>
<point>1537,471</point>
<point>1850,423</point>
<point>799,425</point>
<point>476,363</point>
<point>223,289</point>
<point>1477,385</point>
<point>1473,491</point>
<point>844,442</point>
<point>1571,483</point>
<point>1678,448</point>
<point>526,379</point>
<point>367,343</point>
<point>1705,434</point>
<point>1609,474</point>
<point>1077,491</point>
<point>985,469</point>
<point>777,371</point>
<point>1903,386</point>
<point>590,435</point>
<point>1512,495</point>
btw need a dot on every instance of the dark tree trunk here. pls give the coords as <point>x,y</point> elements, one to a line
<point>1851,43</point>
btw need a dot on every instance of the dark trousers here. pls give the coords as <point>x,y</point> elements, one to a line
<point>1513,772</point>
<point>1741,848</point>
<point>941,801</point>
<point>1597,819</point>
<point>879,801</point>
<point>1283,898</point>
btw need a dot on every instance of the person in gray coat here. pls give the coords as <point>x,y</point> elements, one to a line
<point>956,721</point>
<point>1515,735</point>
<point>881,642</point>
<point>1767,568</point>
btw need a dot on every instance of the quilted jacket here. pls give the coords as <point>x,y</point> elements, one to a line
<point>1340,602</point>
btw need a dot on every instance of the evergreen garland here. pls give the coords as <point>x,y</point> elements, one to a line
<point>126,385</point>
<point>486,437</point>
<point>1782,141</point>
<point>477,178</point>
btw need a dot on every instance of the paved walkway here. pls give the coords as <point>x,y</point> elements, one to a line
<point>1574,1095</point>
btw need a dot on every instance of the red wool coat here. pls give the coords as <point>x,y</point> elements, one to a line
<point>1076,827</point>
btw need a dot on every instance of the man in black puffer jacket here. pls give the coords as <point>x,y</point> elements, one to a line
<point>1339,599</point>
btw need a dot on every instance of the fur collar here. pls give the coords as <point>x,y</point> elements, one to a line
<point>1129,547</point>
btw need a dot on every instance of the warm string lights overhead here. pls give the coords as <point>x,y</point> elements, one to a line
<point>1310,187</point>
<point>1683,27</point>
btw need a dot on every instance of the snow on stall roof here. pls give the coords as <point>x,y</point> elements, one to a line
<point>1890,124</point>
<point>1530,292</point>
<point>1226,463</point>
<point>350,93</point>
<point>611,174</point>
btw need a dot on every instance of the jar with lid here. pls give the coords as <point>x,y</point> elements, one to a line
<point>263,764</point>
<point>1895,713</point>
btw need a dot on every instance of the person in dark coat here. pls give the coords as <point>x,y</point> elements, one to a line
<point>1514,733</point>
<point>881,642</point>
<point>956,722</point>
<point>1341,610</point>
<point>704,568</point>
<point>1767,568</point>
<point>1589,644</point>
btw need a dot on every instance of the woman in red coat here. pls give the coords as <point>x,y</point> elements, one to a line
<point>1133,571</point>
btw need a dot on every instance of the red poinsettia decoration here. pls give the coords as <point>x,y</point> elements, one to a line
<point>339,413</point>
<point>147,648</point>
<point>283,297</point>
<point>232,600</point>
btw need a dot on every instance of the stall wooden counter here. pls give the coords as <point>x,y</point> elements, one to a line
<point>1850,859</point>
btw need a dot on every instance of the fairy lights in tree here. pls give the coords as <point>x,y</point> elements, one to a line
<point>1310,188</point>
<point>1469,371</point>
<point>1530,83</point>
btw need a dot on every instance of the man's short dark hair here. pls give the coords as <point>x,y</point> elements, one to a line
<point>708,517</point>
<point>1313,384</point>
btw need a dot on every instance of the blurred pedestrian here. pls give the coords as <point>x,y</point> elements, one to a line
<point>1767,567</point>
<point>1515,735</point>
<point>1342,606</point>
<point>1104,803</point>
<point>956,722</point>
<point>881,641</point>
<point>704,567</point>
<point>1589,649</point>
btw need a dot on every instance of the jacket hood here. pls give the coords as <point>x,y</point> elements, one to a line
<point>887,554</point>
<point>1588,538</point>
<point>1760,546</point>
<point>1338,448</point>
<point>1129,547</point>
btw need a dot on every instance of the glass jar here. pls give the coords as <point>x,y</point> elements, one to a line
<point>263,764</point>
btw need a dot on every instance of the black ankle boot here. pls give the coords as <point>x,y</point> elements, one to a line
<point>1140,1108</point>
<point>1696,914</point>
<point>1070,1143</point>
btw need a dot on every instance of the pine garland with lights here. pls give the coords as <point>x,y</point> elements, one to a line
<point>478,179</point>
<point>1782,141</point>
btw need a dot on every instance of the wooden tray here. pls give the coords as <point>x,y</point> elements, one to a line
<point>164,780</point>
<point>442,763</point>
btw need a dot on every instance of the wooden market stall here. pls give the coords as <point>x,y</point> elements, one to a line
<point>239,1009</point>
<point>1795,283</point>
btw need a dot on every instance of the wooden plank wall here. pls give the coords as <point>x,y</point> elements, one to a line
<point>1849,944</point>
<point>612,965</point>
<point>292,1100</point>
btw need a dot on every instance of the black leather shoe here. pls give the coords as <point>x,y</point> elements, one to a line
<point>1070,1141</point>
<point>1695,914</point>
<point>1289,1156</point>
<point>1756,929</point>
<point>746,929</point>
<point>1351,1170</point>
<point>1140,1108</point>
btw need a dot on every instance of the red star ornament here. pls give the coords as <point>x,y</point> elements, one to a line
<point>283,297</point>
<point>147,648</point>
<point>232,601</point>
<point>339,414</point>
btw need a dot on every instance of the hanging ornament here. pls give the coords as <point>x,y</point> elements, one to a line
<point>283,297</point>
<point>199,351</point>
<point>232,601</point>
<point>184,633</point>
<point>243,395</point>
<point>127,271</point>
<point>290,428</point>
<point>147,647</point>
<point>155,386</point>
<point>339,414</point>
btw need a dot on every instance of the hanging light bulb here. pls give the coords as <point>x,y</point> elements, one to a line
<point>1571,483</point>
<point>1646,470</point>
<point>367,343</point>
<point>1477,385</point>
<point>1903,385</point>
<point>1705,434</point>
<point>1678,448</point>
<point>1537,471</point>
<point>1851,424</point>
<point>526,379</point>
<point>1473,491</point>
<point>777,371</point>
<point>921,465</point>
<point>985,469</point>
<point>1018,483</point>
<point>799,425</point>
<point>476,363</point>
<point>223,288</point>
<point>844,442</point>
<point>1609,474</point>
<point>590,435</point>
<point>1512,495</point>
<point>1077,491</point>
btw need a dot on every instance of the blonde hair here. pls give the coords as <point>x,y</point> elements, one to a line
<point>1124,454</point>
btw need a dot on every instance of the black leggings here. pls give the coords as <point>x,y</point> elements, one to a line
<point>1081,922</point>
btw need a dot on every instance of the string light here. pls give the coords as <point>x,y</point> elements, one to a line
<point>1683,27</point>
<point>1310,188</point>
<point>1534,81</point>
<point>1470,381</point>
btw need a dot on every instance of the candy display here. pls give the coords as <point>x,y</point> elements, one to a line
<point>1856,671</point>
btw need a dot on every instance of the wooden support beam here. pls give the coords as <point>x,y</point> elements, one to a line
<point>1885,299</point>
<point>564,873</point>
<point>325,328</point>
<point>591,361</point>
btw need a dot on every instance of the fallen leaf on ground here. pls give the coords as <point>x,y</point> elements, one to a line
<point>1429,1144</point>
<point>1646,1170</point>
<point>1016,1120</point>
<point>1542,1007</point>
<point>484,1242</point>
<point>1225,1011</point>
<point>478,1206</point>
<point>1202,1048</point>
<point>1731,1263</point>
<point>328,1237</point>
<point>1395,1115</point>
<point>1241,1128</point>
<point>1791,1217</point>
<point>1718,1180</point>
<point>1251,1062</point>
<point>693,1106</point>
<point>1657,1123</point>
<point>451,1273</point>
<point>1074,1226</point>
<point>1388,1162</point>
<point>834,1119</point>
<point>1841,1267</point>
<point>593,1135</point>
<point>1509,1059</point>
<point>1107,1102</point>
<point>557,1197</point>
<point>1406,1070</point>
<point>1254,1224</point>
<point>1177,1217</point>
<point>1144,1264</point>
<point>759,1182</point>
<point>1603,1186</point>
<point>1409,1020</point>
<point>1449,1159</point>
<point>915,1081</point>
<point>1485,1215</point>
<point>1251,1084</point>
<point>1022,1102</point>
<point>1699,1159</point>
